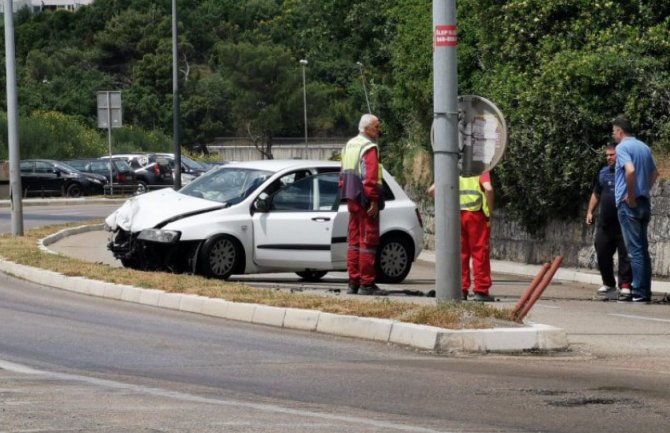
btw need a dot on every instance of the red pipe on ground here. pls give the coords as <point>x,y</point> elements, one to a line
<point>539,289</point>
<point>529,290</point>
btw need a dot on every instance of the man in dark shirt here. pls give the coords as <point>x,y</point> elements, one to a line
<point>608,232</point>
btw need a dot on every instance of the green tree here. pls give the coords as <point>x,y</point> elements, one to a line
<point>263,83</point>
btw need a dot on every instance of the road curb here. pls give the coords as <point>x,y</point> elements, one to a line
<point>524,338</point>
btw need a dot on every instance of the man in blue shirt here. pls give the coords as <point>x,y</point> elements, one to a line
<point>608,238</point>
<point>634,175</point>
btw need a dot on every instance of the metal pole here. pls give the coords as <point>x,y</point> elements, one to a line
<point>365,89</point>
<point>445,149</point>
<point>175,99</point>
<point>303,62</point>
<point>16,190</point>
<point>109,142</point>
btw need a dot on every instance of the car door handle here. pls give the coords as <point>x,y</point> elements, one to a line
<point>321,219</point>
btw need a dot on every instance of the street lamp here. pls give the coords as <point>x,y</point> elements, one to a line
<point>303,62</point>
<point>365,90</point>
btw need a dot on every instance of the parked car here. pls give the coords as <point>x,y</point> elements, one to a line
<point>189,166</point>
<point>122,177</point>
<point>50,177</point>
<point>260,216</point>
<point>152,170</point>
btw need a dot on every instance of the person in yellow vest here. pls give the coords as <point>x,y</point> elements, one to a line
<point>476,203</point>
<point>360,184</point>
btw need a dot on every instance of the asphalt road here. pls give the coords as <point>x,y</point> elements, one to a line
<point>76,363</point>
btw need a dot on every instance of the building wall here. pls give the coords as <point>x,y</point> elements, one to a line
<point>16,5</point>
<point>292,151</point>
<point>38,5</point>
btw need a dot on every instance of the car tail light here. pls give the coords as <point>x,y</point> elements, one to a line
<point>157,170</point>
<point>418,216</point>
<point>120,178</point>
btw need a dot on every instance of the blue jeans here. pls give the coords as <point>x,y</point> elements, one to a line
<point>634,222</point>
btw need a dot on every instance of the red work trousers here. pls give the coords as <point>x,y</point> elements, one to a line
<point>363,241</point>
<point>475,233</point>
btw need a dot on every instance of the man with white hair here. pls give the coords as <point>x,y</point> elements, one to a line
<point>360,184</point>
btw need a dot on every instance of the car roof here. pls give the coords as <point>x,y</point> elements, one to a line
<point>275,165</point>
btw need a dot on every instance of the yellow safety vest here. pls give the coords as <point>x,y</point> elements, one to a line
<point>472,195</point>
<point>352,173</point>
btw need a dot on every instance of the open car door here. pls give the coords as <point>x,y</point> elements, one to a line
<point>296,224</point>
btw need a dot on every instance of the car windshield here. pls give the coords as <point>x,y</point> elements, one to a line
<point>65,167</point>
<point>192,164</point>
<point>229,184</point>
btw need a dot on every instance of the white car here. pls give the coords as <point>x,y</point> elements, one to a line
<point>258,217</point>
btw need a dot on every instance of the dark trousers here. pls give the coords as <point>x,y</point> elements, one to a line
<point>608,241</point>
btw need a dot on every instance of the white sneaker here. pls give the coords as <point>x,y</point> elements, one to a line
<point>604,290</point>
<point>624,292</point>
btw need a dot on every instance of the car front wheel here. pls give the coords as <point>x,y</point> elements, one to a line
<point>74,190</point>
<point>219,256</point>
<point>394,259</point>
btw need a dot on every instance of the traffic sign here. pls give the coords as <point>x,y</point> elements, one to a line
<point>109,109</point>
<point>482,135</point>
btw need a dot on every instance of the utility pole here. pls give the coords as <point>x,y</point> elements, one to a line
<point>175,99</point>
<point>365,89</point>
<point>16,191</point>
<point>446,152</point>
<point>304,62</point>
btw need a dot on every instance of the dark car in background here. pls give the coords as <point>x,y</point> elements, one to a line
<point>154,170</point>
<point>188,165</point>
<point>123,178</point>
<point>50,177</point>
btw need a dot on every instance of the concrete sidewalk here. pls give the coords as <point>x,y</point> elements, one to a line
<point>576,275</point>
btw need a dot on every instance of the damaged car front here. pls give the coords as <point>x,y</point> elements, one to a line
<point>164,229</point>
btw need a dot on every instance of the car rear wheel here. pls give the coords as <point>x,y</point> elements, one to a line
<point>220,256</point>
<point>311,275</point>
<point>74,190</point>
<point>394,259</point>
<point>141,187</point>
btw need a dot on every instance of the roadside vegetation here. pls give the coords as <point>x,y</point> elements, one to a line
<point>559,70</point>
<point>452,315</point>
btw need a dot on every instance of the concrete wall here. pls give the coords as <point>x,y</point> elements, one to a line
<point>291,151</point>
<point>570,238</point>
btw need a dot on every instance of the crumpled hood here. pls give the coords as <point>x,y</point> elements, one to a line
<point>150,209</point>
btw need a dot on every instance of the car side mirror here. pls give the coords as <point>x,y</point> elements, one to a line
<point>262,203</point>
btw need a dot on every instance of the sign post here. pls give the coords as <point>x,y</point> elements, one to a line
<point>109,116</point>
<point>446,152</point>
<point>16,192</point>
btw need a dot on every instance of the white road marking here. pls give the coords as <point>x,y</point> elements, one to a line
<point>631,316</point>
<point>23,369</point>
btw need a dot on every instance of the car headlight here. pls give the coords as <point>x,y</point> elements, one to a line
<point>157,235</point>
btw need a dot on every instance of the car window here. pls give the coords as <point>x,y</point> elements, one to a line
<point>26,167</point>
<point>122,165</point>
<point>99,166</point>
<point>286,180</point>
<point>43,167</point>
<point>312,193</point>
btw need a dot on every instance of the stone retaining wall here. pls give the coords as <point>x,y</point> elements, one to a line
<point>570,238</point>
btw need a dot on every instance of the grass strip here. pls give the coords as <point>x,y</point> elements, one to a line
<point>445,314</point>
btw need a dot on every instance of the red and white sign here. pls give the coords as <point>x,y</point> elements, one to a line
<point>445,36</point>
